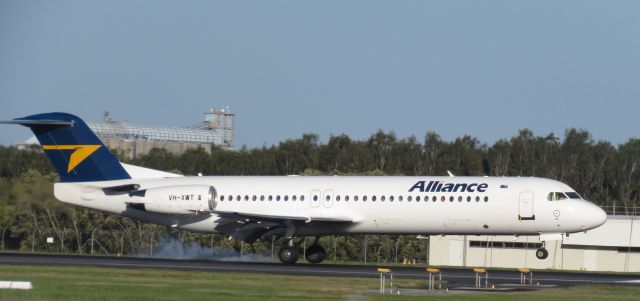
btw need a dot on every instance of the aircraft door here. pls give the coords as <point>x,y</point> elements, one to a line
<point>525,208</point>
<point>316,198</point>
<point>328,198</point>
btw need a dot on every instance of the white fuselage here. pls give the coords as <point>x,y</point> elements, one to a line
<point>503,205</point>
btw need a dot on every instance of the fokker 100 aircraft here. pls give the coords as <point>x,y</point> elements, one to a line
<point>250,207</point>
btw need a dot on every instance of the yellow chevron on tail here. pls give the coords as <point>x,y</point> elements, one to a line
<point>80,153</point>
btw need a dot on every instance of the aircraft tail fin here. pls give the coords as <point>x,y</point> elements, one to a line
<point>75,151</point>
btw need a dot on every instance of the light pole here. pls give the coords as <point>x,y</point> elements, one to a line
<point>92,234</point>
<point>366,237</point>
<point>3,229</point>
<point>121,245</point>
<point>334,249</point>
<point>273,240</point>
<point>151,242</point>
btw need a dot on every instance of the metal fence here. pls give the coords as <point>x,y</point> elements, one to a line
<point>622,210</point>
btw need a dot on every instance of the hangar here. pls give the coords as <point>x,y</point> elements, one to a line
<point>612,247</point>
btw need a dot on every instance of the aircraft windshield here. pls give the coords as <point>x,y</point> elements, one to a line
<point>556,196</point>
<point>573,195</point>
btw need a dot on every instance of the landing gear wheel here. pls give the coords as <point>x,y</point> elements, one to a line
<point>315,254</point>
<point>542,253</point>
<point>288,254</point>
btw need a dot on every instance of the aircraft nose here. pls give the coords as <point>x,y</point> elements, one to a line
<point>595,214</point>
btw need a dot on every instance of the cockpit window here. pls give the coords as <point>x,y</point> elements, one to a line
<point>573,195</point>
<point>557,196</point>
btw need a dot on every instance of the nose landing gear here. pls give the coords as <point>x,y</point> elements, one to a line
<point>542,253</point>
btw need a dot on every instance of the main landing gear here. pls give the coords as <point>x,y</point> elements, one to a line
<point>542,253</point>
<point>289,253</point>
<point>315,253</point>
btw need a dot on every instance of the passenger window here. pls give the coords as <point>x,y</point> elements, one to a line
<point>230,198</point>
<point>238,197</point>
<point>486,199</point>
<point>346,198</point>
<point>315,198</point>
<point>373,198</point>
<point>442,198</point>
<point>468,199</point>
<point>294,197</point>
<point>390,198</point>
<point>451,199</point>
<point>222,198</point>
<point>409,199</point>
<point>400,198</point>
<point>302,198</point>
<point>418,199</point>
<point>364,198</point>
<point>262,198</point>
<point>434,198</point>
<point>337,198</point>
<point>254,198</point>
<point>477,199</point>
<point>270,198</point>
<point>327,198</point>
<point>460,199</point>
<point>286,198</point>
<point>246,197</point>
<point>382,198</point>
<point>278,198</point>
<point>355,198</point>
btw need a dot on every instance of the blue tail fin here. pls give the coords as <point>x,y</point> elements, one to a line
<point>73,149</point>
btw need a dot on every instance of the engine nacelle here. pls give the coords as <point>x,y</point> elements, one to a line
<point>187,199</point>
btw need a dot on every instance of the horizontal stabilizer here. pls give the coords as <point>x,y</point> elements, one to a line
<point>26,122</point>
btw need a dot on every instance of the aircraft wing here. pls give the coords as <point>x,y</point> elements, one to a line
<point>248,226</point>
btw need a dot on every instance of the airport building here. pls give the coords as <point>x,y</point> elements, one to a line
<point>612,247</point>
<point>132,140</point>
<point>216,129</point>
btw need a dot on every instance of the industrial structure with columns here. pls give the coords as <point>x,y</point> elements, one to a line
<point>132,140</point>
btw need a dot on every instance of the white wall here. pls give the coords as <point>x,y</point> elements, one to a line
<point>603,249</point>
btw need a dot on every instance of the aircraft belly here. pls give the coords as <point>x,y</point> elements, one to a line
<point>449,218</point>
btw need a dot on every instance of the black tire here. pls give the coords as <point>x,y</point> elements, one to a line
<point>542,253</point>
<point>315,254</point>
<point>288,255</point>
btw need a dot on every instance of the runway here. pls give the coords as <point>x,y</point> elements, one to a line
<point>454,277</point>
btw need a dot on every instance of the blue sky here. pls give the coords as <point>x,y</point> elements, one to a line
<point>483,68</point>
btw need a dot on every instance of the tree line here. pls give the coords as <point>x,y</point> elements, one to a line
<point>601,172</point>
